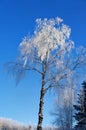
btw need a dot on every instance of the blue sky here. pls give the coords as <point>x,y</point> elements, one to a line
<point>17,18</point>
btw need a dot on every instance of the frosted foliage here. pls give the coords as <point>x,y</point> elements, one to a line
<point>9,122</point>
<point>69,95</point>
<point>26,48</point>
<point>49,35</point>
<point>66,97</point>
<point>81,51</point>
<point>46,41</point>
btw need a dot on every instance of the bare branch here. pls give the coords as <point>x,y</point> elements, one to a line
<point>32,68</point>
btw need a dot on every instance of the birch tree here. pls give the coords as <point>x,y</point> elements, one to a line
<point>48,53</point>
<point>63,112</point>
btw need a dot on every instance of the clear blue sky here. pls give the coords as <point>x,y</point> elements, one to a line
<point>17,18</point>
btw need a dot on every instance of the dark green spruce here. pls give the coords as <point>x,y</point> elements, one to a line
<point>80,108</point>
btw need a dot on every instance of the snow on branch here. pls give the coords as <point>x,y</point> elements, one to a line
<point>50,47</point>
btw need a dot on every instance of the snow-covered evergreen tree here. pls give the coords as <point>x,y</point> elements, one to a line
<point>80,107</point>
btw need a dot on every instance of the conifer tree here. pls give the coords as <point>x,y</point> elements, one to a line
<point>80,107</point>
